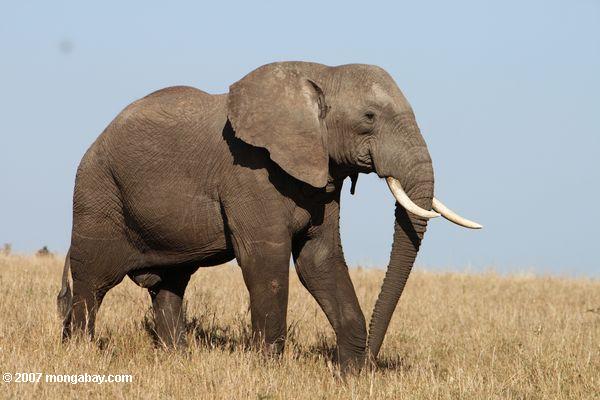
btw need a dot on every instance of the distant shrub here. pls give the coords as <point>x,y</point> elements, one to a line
<point>43,252</point>
<point>6,249</point>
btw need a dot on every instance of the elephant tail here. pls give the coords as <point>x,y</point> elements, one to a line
<point>64,300</point>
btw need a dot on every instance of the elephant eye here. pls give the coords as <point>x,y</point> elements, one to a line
<point>370,116</point>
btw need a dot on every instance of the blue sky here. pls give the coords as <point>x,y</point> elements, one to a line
<point>507,95</point>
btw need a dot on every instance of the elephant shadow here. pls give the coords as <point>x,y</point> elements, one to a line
<point>214,336</point>
<point>210,336</point>
<point>392,363</point>
<point>328,352</point>
<point>238,337</point>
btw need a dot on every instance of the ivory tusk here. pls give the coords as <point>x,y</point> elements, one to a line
<point>452,216</point>
<point>403,199</point>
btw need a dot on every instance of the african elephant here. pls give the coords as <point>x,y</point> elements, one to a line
<point>183,179</point>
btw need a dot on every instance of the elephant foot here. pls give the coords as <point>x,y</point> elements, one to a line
<point>268,350</point>
<point>273,350</point>
<point>170,329</point>
<point>178,343</point>
<point>166,292</point>
<point>350,362</point>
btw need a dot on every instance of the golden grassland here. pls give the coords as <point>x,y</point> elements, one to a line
<point>454,335</point>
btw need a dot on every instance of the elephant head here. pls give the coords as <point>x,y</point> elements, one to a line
<point>323,123</point>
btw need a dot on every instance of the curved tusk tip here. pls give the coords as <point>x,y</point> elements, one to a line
<point>452,216</point>
<point>470,225</point>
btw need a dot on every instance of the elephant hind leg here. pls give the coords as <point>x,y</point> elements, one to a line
<point>86,302</point>
<point>81,319</point>
<point>167,303</point>
<point>93,276</point>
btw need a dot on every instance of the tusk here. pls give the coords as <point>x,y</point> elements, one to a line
<point>403,199</point>
<point>452,216</point>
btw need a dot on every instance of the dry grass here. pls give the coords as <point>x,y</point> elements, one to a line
<point>453,336</point>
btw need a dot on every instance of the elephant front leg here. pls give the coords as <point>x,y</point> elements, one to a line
<point>265,267</point>
<point>323,272</point>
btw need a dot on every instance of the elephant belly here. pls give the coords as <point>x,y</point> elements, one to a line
<point>181,225</point>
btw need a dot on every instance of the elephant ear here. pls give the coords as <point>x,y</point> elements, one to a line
<point>278,108</point>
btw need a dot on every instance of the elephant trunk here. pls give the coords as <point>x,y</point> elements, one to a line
<point>412,171</point>
<point>408,233</point>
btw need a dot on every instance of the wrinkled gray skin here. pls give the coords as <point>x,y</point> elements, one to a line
<point>183,179</point>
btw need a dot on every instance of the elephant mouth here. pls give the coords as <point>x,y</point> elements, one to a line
<point>438,207</point>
